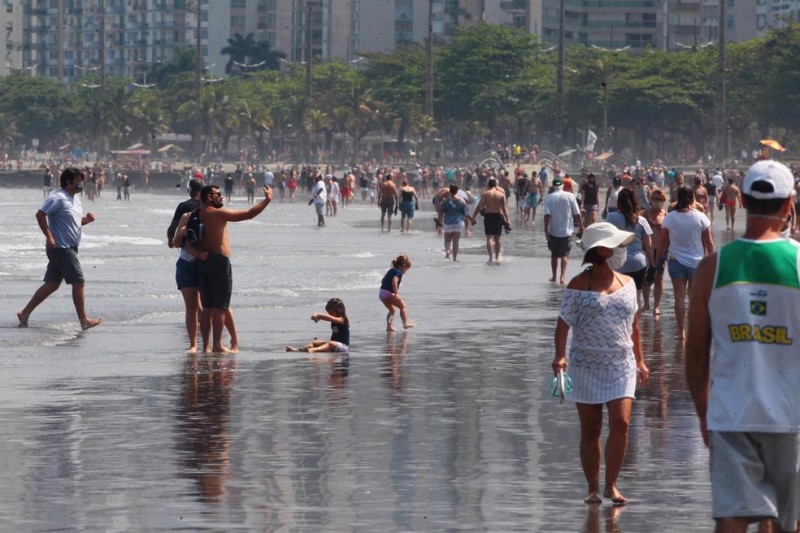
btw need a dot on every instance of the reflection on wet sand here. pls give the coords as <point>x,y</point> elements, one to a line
<point>393,367</point>
<point>202,420</point>
<point>607,523</point>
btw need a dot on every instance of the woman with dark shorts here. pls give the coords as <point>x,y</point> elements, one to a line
<point>655,274</point>
<point>591,201</point>
<point>640,249</point>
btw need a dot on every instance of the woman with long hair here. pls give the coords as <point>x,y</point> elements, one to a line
<point>685,240</point>
<point>640,250</point>
<point>655,274</point>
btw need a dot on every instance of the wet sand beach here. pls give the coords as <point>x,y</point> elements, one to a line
<point>447,426</point>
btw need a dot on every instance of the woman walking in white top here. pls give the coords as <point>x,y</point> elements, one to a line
<point>605,356</point>
<point>685,240</point>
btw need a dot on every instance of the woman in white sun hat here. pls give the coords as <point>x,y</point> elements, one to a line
<point>605,355</point>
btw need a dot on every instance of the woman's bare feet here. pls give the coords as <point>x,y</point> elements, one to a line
<point>593,499</point>
<point>616,496</point>
<point>656,311</point>
<point>408,325</point>
<point>88,323</point>
<point>23,319</point>
<point>234,347</point>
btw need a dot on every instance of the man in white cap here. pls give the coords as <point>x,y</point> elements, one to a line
<point>561,215</point>
<point>746,300</point>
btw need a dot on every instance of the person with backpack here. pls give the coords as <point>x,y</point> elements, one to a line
<point>187,268</point>
<point>216,278</point>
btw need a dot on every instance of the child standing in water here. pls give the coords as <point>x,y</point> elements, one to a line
<point>388,293</point>
<point>340,330</point>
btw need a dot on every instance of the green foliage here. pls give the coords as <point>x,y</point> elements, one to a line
<point>40,108</point>
<point>491,83</point>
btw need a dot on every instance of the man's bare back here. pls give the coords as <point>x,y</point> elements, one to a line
<point>493,201</point>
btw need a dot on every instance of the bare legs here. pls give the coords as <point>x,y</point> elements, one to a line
<point>313,347</point>
<point>191,300</point>
<point>730,216</point>
<point>493,247</point>
<point>554,261</point>
<point>451,237</point>
<point>212,321</point>
<point>680,288</point>
<point>591,420</point>
<point>392,302</point>
<point>48,288</point>
<point>658,291</point>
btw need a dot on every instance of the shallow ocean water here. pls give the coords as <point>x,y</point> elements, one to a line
<point>447,426</point>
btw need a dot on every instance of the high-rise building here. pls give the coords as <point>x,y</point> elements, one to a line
<point>606,23</point>
<point>66,39</point>
<point>11,24</point>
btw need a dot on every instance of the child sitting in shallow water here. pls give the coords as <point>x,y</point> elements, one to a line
<point>340,330</point>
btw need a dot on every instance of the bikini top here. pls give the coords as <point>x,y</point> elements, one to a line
<point>591,276</point>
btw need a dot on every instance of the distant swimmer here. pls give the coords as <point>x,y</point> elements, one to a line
<point>60,218</point>
<point>340,330</point>
<point>390,285</point>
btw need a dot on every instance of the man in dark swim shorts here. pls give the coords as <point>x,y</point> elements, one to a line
<point>494,206</point>
<point>215,272</point>
<point>387,199</point>
<point>216,281</point>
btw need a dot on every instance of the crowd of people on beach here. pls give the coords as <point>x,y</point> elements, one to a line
<point>633,225</point>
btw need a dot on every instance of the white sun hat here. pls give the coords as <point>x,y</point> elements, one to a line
<point>606,235</point>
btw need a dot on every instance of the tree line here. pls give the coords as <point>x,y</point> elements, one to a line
<point>491,84</point>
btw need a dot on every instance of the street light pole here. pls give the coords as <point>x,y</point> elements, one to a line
<point>309,52</point>
<point>605,115</point>
<point>720,130</point>
<point>198,80</point>
<point>560,79</point>
<point>429,70</point>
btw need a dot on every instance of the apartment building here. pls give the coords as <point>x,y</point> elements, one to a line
<point>11,24</point>
<point>67,39</point>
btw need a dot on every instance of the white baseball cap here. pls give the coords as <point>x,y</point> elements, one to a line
<point>772,180</point>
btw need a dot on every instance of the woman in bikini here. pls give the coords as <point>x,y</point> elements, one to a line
<point>655,274</point>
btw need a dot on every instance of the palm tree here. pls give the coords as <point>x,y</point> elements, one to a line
<point>256,122</point>
<point>271,58</point>
<point>385,118</point>
<point>317,121</point>
<point>239,49</point>
<point>425,125</point>
<point>145,116</point>
<point>360,103</point>
<point>8,129</point>
<point>341,118</point>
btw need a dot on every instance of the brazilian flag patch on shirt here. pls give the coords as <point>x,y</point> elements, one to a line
<point>758,308</point>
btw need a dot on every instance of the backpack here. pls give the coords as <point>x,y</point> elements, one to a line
<point>194,228</point>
